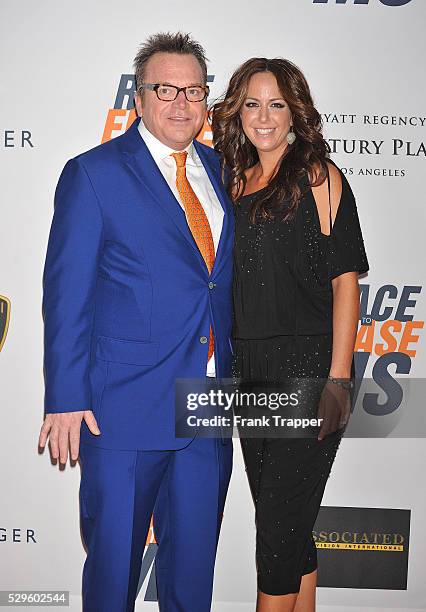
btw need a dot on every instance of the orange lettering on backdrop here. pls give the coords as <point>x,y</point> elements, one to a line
<point>386,334</point>
<point>205,134</point>
<point>118,120</point>
<point>132,117</point>
<point>150,539</point>
<point>397,337</point>
<point>408,337</point>
<point>365,338</point>
<point>111,124</point>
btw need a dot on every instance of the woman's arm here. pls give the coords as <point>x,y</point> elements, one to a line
<point>334,405</point>
<point>345,323</point>
<point>345,286</point>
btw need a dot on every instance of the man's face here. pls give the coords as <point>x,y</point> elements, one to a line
<point>174,123</point>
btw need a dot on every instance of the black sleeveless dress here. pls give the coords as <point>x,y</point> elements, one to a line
<point>283,304</point>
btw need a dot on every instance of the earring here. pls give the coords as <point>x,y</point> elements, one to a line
<point>291,136</point>
<point>242,138</point>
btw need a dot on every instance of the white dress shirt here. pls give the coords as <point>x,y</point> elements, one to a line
<point>200,183</point>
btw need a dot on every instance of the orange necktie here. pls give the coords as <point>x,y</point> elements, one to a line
<point>197,220</point>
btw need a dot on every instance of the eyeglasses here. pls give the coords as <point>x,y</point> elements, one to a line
<point>168,93</point>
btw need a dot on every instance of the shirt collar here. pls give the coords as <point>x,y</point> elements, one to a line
<point>161,152</point>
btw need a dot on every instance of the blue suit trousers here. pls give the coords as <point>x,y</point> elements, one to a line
<point>119,491</point>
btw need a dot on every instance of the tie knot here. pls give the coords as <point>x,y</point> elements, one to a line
<point>180,158</point>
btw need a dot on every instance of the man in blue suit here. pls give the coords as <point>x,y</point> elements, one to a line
<point>130,304</point>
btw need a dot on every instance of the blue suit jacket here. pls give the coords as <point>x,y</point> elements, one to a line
<point>127,297</point>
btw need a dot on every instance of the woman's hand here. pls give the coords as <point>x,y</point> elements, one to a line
<point>334,408</point>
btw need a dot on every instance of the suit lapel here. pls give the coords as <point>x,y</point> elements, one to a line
<point>216,181</point>
<point>142,164</point>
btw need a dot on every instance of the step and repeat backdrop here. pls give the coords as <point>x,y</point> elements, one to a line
<point>66,86</point>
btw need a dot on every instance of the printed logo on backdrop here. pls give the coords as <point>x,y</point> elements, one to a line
<point>386,347</point>
<point>362,548</point>
<point>17,139</point>
<point>385,2</point>
<point>4,319</point>
<point>388,331</point>
<point>17,535</point>
<point>121,116</point>
<point>405,144</point>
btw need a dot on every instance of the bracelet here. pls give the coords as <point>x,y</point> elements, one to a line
<point>345,383</point>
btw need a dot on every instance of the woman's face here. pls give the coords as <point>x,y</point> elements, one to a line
<point>265,116</point>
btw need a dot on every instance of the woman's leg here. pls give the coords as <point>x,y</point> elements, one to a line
<point>289,478</point>
<point>307,595</point>
<point>304,601</point>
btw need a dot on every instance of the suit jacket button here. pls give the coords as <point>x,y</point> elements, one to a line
<point>203,340</point>
<point>211,285</point>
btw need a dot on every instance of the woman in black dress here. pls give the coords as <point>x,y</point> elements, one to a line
<point>298,253</point>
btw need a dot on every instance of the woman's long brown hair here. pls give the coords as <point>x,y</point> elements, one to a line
<point>307,155</point>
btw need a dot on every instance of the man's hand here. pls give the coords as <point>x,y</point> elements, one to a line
<point>63,431</point>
